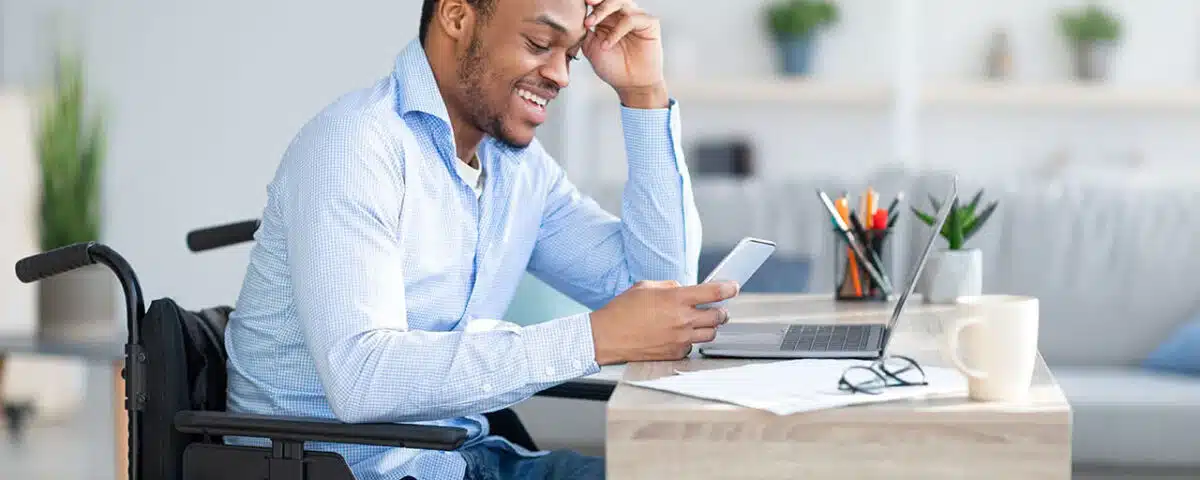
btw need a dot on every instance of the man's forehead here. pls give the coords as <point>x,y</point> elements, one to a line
<point>565,13</point>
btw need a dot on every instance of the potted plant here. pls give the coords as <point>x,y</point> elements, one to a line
<point>956,270</point>
<point>76,305</point>
<point>1091,33</point>
<point>794,25</point>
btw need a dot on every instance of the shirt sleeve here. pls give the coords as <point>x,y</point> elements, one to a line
<point>341,204</point>
<point>590,254</point>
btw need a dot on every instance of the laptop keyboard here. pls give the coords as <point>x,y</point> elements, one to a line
<point>825,338</point>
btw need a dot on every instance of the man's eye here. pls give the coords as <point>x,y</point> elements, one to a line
<point>538,48</point>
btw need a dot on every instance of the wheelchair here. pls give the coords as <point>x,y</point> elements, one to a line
<point>175,388</point>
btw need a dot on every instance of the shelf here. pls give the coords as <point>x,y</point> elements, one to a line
<point>1080,96</point>
<point>773,91</point>
<point>788,93</point>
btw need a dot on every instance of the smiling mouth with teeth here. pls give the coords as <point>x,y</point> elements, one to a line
<point>531,98</point>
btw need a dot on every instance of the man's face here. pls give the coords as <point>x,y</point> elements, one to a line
<point>516,62</point>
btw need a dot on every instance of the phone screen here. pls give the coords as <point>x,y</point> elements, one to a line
<point>741,263</point>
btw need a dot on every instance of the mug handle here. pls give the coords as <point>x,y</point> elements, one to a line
<point>953,341</point>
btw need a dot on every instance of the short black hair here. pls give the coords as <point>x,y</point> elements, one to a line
<point>484,7</point>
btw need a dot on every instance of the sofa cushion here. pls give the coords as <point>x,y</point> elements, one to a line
<point>1131,416</point>
<point>1179,353</point>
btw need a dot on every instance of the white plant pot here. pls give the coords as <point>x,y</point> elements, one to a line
<point>951,274</point>
<point>79,306</point>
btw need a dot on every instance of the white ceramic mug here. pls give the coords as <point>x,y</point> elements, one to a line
<point>993,341</point>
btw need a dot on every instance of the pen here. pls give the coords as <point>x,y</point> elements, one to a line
<point>892,209</point>
<point>880,220</point>
<point>843,212</point>
<point>863,236</point>
<point>872,204</point>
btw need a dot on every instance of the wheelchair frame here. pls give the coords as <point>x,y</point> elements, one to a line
<point>287,435</point>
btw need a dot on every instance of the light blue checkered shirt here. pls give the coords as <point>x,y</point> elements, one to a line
<point>377,278</point>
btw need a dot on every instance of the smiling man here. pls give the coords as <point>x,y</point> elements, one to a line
<point>403,216</point>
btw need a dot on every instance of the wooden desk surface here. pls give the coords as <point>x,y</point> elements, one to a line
<point>654,434</point>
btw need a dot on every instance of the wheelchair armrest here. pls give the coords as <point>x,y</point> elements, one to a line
<point>580,390</point>
<point>427,437</point>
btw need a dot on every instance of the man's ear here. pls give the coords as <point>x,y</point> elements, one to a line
<point>456,17</point>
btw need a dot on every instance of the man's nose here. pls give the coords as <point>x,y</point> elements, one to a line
<point>557,71</point>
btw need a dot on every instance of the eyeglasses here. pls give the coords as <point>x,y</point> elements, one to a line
<point>891,371</point>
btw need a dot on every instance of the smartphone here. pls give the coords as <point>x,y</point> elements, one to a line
<point>740,264</point>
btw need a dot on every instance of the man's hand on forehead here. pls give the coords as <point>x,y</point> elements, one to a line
<point>624,46</point>
<point>619,16</point>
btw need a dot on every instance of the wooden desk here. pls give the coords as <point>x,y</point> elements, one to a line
<point>654,435</point>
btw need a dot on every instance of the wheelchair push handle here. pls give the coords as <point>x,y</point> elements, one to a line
<point>221,235</point>
<point>53,262</point>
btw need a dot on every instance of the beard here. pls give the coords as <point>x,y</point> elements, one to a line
<point>472,72</point>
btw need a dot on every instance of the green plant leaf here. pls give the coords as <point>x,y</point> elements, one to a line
<point>953,227</point>
<point>1089,24</point>
<point>977,223</point>
<point>937,205</point>
<point>925,217</point>
<point>799,18</point>
<point>71,149</point>
<point>975,201</point>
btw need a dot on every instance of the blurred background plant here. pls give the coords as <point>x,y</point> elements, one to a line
<point>71,149</point>
<point>794,25</point>
<point>1092,33</point>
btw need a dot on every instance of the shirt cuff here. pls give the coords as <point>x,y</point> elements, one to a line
<point>652,138</point>
<point>560,350</point>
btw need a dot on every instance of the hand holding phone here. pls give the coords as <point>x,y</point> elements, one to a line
<point>740,264</point>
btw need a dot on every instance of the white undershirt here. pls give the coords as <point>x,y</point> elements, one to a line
<point>472,175</point>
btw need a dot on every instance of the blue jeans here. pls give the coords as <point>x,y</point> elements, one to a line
<point>490,463</point>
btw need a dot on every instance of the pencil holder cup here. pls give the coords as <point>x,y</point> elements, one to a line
<point>853,279</point>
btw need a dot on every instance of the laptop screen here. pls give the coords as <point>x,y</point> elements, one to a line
<point>940,220</point>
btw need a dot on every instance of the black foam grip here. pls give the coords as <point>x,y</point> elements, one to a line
<point>221,235</point>
<point>53,262</point>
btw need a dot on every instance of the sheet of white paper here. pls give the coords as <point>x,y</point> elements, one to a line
<point>792,386</point>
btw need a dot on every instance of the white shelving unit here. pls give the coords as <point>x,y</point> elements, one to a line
<point>918,111</point>
<point>804,92</point>
<point>778,91</point>
<point>1081,96</point>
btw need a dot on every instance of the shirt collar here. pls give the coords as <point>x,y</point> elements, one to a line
<point>417,91</point>
<point>416,87</point>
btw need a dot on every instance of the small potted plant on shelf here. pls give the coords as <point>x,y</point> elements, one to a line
<point>1091,32</point>
<point>956,270</point>
<point>794,26</point>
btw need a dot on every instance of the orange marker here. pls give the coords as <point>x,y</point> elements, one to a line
<point>843,207</point>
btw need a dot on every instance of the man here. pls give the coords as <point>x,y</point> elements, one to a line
<point>403,216</point>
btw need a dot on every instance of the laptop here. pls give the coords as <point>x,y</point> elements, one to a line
<point>798,340</point>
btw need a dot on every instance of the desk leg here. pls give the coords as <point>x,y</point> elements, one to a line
<point>120,423</point>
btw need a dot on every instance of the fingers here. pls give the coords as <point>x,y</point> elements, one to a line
<point>711,318</point>
<point>627,24</point>
<point>708,292</point>
<point>656,284</point>
<point>704,335</point>
<point>602,9</point>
